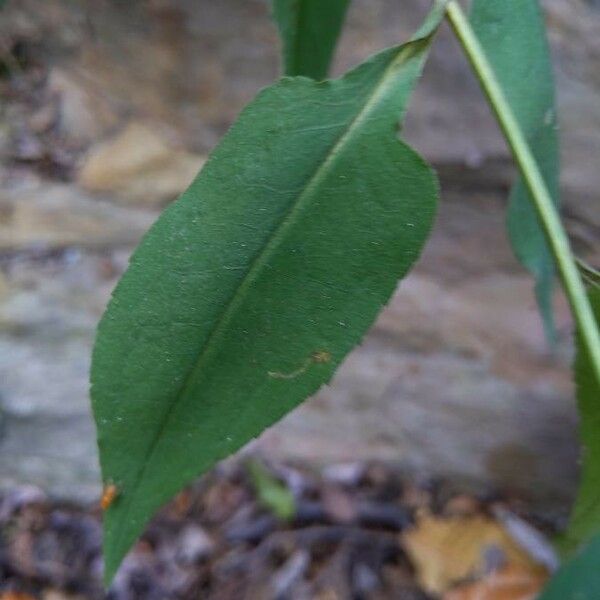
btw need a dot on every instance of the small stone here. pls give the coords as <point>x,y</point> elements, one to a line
<point>194,545</point>
<point>339,505</point>
<point>348,474</point>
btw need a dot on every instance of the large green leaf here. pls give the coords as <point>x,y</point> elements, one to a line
<point>250,289</point>
<point>578,579</point>
<point>585,520</point>
<point>309,30</point>
<point>513,34</point>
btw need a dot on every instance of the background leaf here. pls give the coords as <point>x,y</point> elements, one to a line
<point>585,520</point>
<point>309,30</point>
<point>578,579</point>
<point>513,35</point>
<point>589,275</point>
<point>271,493</point>
<point>250,289</point>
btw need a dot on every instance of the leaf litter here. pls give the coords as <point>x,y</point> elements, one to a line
<point>355,530</point>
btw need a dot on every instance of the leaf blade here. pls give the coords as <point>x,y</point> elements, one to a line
<point>232,293</point>
<point>271,493</point>
<point>309,30</point>
<point>578,579</point>
<point>513,35</point>
<point>585,518</point>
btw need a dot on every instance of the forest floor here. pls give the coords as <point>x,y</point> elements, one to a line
<point>352,531</point>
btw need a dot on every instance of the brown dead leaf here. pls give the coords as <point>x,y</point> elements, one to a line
<point>15,596</point>
<point>446,551</point>
<point>513,582</point>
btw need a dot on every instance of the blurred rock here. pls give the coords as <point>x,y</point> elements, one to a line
<point>138,165</point>
<point>192,66</point>
<point>345,473</point>
<point>47,323</point>
<point>83,113</point>
<point>3,287</point>
<point>194,545</point>
<point>43,215</point>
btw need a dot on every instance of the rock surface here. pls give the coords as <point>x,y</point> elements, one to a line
<point>44,215</point>
<point>191,67</point>
<point>125,99</point>
<point>139,166</point>
<point>455,377</point>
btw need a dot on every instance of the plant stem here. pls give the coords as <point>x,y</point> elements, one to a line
<point>542,201</point>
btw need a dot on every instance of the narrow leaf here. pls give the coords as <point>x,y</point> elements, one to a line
<point>271,493</point>
<point>589,275</point>
<point>585,520</point>
<point>250,289</point>
<point>309,30</point>
<point>578,579</point>
<point>513,35</point>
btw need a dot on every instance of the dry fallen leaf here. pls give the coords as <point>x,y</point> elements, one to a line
<point>15,596</point>
<point>446,551</point>
<point>513,582</point>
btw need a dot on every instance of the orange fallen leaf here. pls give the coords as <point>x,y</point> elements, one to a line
<point>513,582</point>
<point>15,596</point>
<point>447,551</point>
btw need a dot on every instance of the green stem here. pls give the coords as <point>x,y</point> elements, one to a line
<point>547,213</point>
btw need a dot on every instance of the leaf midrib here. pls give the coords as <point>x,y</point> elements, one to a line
<point>404,52</point>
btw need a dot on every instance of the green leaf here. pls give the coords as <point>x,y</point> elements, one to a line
<point>585,520</point>
<point>513,35</point>
<point>252,287</point>
<point>589,275</point>
<point>272,494</point>
<point>578,579</point>
<point>309,30</point>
